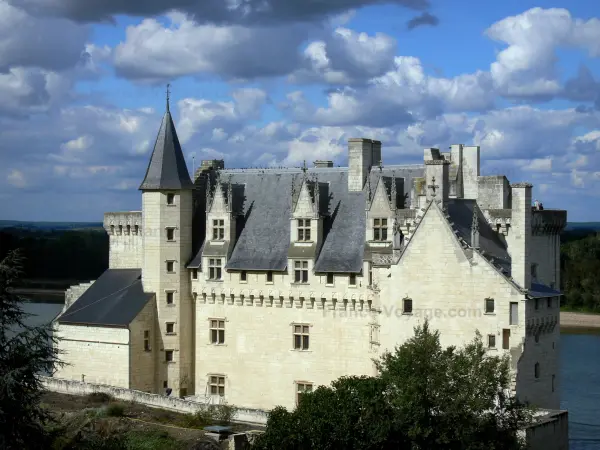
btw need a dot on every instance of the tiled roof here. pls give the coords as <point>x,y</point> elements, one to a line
<point>263,201</point>
<point>167,168</point>
<point>114,299</point>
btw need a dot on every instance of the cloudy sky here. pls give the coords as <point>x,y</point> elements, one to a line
<point>276,82</point>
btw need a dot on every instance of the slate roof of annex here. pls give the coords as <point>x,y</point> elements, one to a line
<point>114,299</point>
<point>264,198</point>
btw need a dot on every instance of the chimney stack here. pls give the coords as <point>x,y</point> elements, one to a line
<point>437,181</point>
<point>362,155</point>
<point>520,225</point>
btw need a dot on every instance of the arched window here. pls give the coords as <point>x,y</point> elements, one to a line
<point>536,370</point>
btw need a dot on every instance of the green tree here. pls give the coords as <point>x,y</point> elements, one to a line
<point>425,397</point>
<point>25,353</point>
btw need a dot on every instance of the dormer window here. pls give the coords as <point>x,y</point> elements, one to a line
<point>170,199</point>
<point>301,271</point>
<point>218,229</point>
<point>380,230</point>
<point>304,230</point>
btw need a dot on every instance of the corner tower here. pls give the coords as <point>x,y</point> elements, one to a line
<point>167,224</point>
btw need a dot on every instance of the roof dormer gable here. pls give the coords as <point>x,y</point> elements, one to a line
<point>306,199</point>
<point>219,199</point>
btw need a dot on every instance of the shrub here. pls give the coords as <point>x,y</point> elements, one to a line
<point>98,397</point>
<point>114,410</point>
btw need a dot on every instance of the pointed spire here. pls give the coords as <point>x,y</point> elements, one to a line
<point>168,95</point>
<point>167,169</point>
<point>393,193</point>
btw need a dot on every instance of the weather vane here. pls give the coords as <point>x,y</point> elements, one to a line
<point>168,94</point>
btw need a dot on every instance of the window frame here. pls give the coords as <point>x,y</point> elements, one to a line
<point>172,265</point>
<point>218,229</point>
<point>243,276</point>
<point>330,279</point>
<point>215,269</point>
<point>217,381</point>
<point>303,230</point>
<point>536,371</point>
<point>352,280</point>
<point>172,358</point>
<point>492,341</point>
<point>170,230</point>
<point>380,229</point>
<point>170,198</point>
<point>217,331</point>
<point>303,387</point>
<point>301,271</point>
<point>170,297</point>
<point>269,277</point>
<point>147,346</point>
<point>407,301</point>
<point>172,326</point>
<point>486,303</point>
<point>301,336</point>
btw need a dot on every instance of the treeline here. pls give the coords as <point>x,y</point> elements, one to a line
<point>580,272</point>
<point>58,255</point>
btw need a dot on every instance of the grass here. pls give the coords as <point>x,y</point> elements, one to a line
<point>150,440</point>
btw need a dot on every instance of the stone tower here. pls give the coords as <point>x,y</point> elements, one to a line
<point>167,224</point>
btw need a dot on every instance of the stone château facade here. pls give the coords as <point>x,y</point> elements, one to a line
<point>252,286</point>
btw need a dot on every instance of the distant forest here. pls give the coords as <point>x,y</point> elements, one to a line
<point>58,257</point>
<point>61,257</point>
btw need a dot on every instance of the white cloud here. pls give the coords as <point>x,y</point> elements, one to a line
<point>16,178</point>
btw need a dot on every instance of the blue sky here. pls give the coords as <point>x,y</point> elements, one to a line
<point>84,91</point>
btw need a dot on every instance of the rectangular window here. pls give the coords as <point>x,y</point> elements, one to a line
<point>534,267</point>
<point>370,274</point>
<point>514,313</point>
<point>214,269</point>
<point>194,274</point>
<point>269,277</point>
<point>217,331</point>
<point>489,305</point>
<point>170,328</point>
<point>169,298</point>
<point>170,234</point>
<point>407,306</point>
<point>165,384</point>
<point>243,276</point>
<point>537,303</point>
<point>304,229</point>
<point>301,337</point>
<point>170,199</point>
<point>170,266</point>
<point>147,347</point>
<point>549,302</point>
<point>330,278</point>
<point>505,339</point>
<point>491,341</point>
<point>217,385</point>
<point>301,389</point>
<point>218,229</point>
<point>301,271</point>
<point>380,229</point>
<point>352,279</point>
<point>553,378</point>
<point>169,356</point>
<point>128,229</point>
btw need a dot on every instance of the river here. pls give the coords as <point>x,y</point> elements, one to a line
<point>580,378</point>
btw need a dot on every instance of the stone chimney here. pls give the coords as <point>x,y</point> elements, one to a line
<point>470,171</point>
<point>437,183</point>
<point>362,155</point>
<point>520,225</point>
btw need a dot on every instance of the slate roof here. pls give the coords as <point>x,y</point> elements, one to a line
<point>114,299</point>
<point>539,290</point>
<point>263,201</point>
<point>490,242</point>
<point>167,168</point>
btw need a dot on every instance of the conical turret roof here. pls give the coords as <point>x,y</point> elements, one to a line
<point>167,169</point>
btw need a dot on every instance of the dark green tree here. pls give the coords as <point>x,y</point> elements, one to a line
<point>25,353</point>
<point>425,397</point>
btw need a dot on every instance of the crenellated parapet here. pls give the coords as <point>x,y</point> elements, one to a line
<point>123,223</point>
<point>548,221</point>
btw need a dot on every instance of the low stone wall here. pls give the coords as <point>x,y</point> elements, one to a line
<point>72,387</point>
<point>550,431</point>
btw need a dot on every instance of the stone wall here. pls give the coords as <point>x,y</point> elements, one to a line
<point>181,405</point>
<point>94,354</point>
<point>73,293</point>
<point>549,432</point>
<point>143,360</point>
